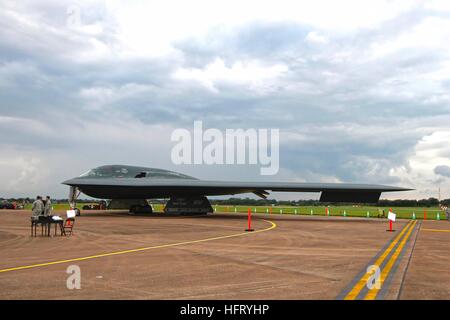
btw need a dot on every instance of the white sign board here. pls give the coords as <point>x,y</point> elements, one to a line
<point>391,216</point>
<point>71,213</point>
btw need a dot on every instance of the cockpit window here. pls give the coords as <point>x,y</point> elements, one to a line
<point>117,171</point>
<point>107,172</point>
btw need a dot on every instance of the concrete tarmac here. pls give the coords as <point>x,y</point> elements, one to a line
<point>212,257</point>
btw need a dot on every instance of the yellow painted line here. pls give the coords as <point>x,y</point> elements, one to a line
<point>372,294</point>
<point>435,230</point>
<point>363,281</point>
<point>108,254</point>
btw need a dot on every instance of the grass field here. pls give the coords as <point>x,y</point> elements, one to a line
<point>350,211</point>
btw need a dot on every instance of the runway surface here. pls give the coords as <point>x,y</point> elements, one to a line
<point>212,257</point>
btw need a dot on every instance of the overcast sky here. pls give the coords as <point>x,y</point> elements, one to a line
<point>360,90</point>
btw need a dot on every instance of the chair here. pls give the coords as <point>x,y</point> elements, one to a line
<point>68,225</point>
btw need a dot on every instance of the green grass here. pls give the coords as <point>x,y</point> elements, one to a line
<point>351,211</point>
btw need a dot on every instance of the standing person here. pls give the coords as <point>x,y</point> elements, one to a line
<point>447,212</point>
<point>37,209</point>
<point>47,207</point>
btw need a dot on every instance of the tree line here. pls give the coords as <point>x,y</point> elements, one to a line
<point>430,202</point>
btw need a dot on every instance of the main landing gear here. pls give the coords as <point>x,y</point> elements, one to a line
<point>190,205</point>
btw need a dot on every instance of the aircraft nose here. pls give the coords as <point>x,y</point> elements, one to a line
<point>69,182</point>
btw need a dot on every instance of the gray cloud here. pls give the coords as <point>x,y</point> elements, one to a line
<point>351,106</point>
<point>442,171</point>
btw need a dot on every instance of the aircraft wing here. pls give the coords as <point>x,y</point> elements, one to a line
<point>132,188</point>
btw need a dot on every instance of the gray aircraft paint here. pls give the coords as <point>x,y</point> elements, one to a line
<point>119,182</point>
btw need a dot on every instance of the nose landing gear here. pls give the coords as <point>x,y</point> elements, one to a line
<point>74,193</point>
